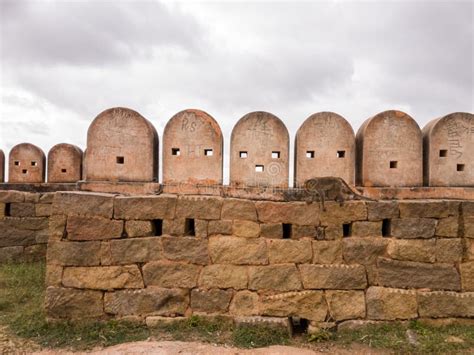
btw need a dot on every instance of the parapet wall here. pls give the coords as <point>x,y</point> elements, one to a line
<point>145,256</point>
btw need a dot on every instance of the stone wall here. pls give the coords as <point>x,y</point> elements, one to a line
<point>146,256</point>
<point>24,220</point>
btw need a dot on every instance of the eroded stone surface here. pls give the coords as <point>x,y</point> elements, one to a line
<point>64,163</point>
<point>390,304</point>
<point>305,304</point>
<point>26,164</point>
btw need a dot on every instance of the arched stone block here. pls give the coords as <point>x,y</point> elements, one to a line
<point>2,166</point>
<point>121,146</point>
<point>324,146</point>
<point>448,146</point>
<point>259,151</point>
<point>192,149</point>
<point>26,164</point>
<point>64,163</point>
<point>389,151</point>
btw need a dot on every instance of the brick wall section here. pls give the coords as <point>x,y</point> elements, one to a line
<point>142,256</point>
<point>24,225</point>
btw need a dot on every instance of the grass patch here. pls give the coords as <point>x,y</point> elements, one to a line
<point>257,336</point>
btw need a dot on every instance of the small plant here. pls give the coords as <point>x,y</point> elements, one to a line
<point>321,335</point>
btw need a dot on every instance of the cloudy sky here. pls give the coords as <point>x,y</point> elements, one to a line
<point>63,62</point>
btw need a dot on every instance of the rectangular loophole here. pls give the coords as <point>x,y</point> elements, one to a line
<point>34,163</point>
<point>287,230</point>
<point>120,160</point>
<point>208,152</point>
<point>386,228</point>
<point>298,325</point>
<point>8,210</point>
<point>443,153</point>
<point>17,163</point>
<point>393,164</point>
<point>275,155</point>
<point>259,168</point>
<point>341,153</point>
<point>346,229</point>
<point>460,167</point>
<point>24,171</point>
<point>63,171</point>
<point>310,154</point>
<point>189,228</point>
<point>243,154</point>
<point>157,227</point>
<point>175,151</point>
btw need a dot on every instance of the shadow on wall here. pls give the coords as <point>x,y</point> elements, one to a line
<point>389,150</point>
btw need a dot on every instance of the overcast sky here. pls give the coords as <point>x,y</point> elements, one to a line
<point>63,62</point>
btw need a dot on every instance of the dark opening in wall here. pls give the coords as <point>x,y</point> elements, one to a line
<point>63,170</point>
<point>443,153</point>
<point>189,229</point>
<point>393,164</point>
<point>275,155</point>
<point>347,229</point>
<point>298,325</point>
<point>33,163</point>
<point>208,152</point>
<point>310,154</point>
<point>8,209</point>
<point>460,167</point>
<point>341,153</point>
<point>287,230</point>
<point>120,160</point>
<point>386,228</point>
<point>259,168</point>
<point>157,227</point>
<point>17,162</point>
<point>175,151</point>
<point>24,171</point>
<point>243,154</point>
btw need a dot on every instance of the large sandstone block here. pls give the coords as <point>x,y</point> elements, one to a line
<point>93,228</point>
<point>244,303</point>
<point>188,249</point>
<point>428,209</point>
<point>448,227</point>
<point>445,304</point>
<point>366,229</point>
<point>467,276</point>
<point>73,304</point>
<point>57,227</point>
<point>224,276</point>
<point>202,207</point>
<point>467,208</point>
<point>149,301</point>
<point>170,274</point>
<point>282,251</point>
<point>309,305</point>
<point>43,209</point>
<point>239,209</point>
<point>391,304</point>
<point>411,228</point>
<point>468,225</point>
<point>103,277</point>
<point>380,210</point>
<point>337,277</point>
<point>135,228</point>
<point>22,209</point>
<point>412,250</point>
<point>73,253</point>
<point>11,234</point>
<point>239,251</point>
<point>246,229</point>
<point>284,212</point>
<point>135,250</point>
<point>210,301</point>
<point>84,204</point>
<point>222,226</point>
<point>408,274</point>
<point>283,277</point>
<point>346,304</point>
<point>449,250</point>
<point>271,230</point>
<point>327,251</point>
<point>363,250</point>
<point>348,212</point>
<point>54,275</point>
<point>299,232</point>
<point>10,196</point>
<point>145,207</point>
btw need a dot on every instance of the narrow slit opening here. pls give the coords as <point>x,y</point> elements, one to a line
<point>259,168</point>
<point>7,209</point>
<point>157,227</point>
<point>189,228</point>
<point>243,154</point>
<point>346,230</point>
<point>443,153</point>
<point>393,164</point>
<point>63,171</point>
<point>287,230</point>
<point>460,167</point>
<point>386,228</point>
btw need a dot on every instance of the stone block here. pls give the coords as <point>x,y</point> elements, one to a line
<point>149,301</point>
<point>103,277</point>
<point>309,305</point>
<point>135,228</point>
<point>299,232</point>
<point>93,228</point>
<point>271,230</point>
<point>12,233</point>
<point>245,229</point>
<point>333,232</point>
<point>42,236</point>
<point>363,250</point>
<point>22,209</point>
<point>239,209</point>
<point>283,277</point>
<point>33,197</point>
<point>224,276</point>
<point>202,207</point>
<point>380,210</point>
<point>447,227</point>
<point>145,207</point>
<point>282,251</point>
<point>391,304</point>
<point>10,196</point>
<point>239,251</point>
<point>327,251</point>
<point>200,228</point>
<point>467,208</point>
<point>170,274</point>
<point>428,208</point>
<point>222,227</point>
<point>469,249</point>
<point>408,274</point>
<point>54,275</point>
<point>467,276</point>
<point>73,253</point>
<point>188,249</point>
<point>57,226</point>
<point>449,250</point>
<point>47,197</point>
<point>440,304</point>
<point>244,303</point>
<point>366,229</point>
<point>337,277</point>
<point>43,209</point>
<point>11,254</point>
<point>83,204</point>
<point>346,304</point>
<point>288,212</point>
<point>135,250</point>
<point>174,226</point>
<point>210,301</point>
<point>3,207</point>
<point>69,303</point>
<point>468,226</point>
<point>159,321</point>
<point>412,228</point>
<point>350,211</point>
<point>412,250</point>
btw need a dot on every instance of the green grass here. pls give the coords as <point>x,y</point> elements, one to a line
<point>257,336</point>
